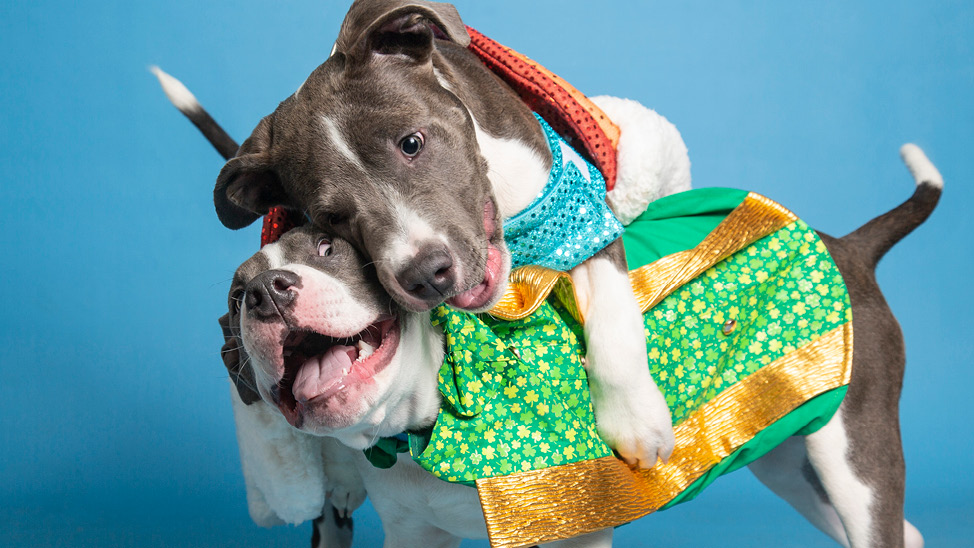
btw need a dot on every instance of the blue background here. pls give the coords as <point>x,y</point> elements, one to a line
<point>115,424</point>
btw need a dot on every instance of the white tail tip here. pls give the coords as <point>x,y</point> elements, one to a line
<point>920,166</point>
<point>177,93</point>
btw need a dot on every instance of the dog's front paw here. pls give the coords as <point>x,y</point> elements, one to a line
<point>635,422</point>
<point>345,489</point>
<point>346,496</point>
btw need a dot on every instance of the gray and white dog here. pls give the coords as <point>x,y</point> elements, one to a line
<point>400,195</point>
<point>403,143</point>
<point>309,322</point>
<point>316,327</point>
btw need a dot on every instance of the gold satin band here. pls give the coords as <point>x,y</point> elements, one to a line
<point>564,501</point>
<point>753,219</point>
<point>528,287</point>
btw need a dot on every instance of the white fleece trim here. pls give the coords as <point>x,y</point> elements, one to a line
<point>282,466</point>
<point>652,158</point>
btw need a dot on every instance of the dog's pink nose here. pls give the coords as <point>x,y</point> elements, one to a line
<point>429,276</point>
<point>268,294</point>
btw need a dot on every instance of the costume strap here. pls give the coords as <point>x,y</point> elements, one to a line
<point>573,115</point>
<point>278,221</point>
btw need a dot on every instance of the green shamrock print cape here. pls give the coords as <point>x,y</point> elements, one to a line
<point>749,337</point>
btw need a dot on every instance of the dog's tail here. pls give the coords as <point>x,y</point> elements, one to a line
<point>876,237</point>
<point>186,102</point>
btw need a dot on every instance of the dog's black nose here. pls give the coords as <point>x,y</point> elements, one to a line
<point>429,275</point>
<point>270,293</point>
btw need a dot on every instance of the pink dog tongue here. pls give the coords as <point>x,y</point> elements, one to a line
<point>479,295</point>
<point>321,372</point>
<point>472,298</point>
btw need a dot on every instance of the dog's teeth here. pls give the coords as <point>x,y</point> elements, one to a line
<point>345,371</point>
<point>364,350</point>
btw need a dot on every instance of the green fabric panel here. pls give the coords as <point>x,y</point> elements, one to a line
<point>782,292</point>
<point>515,398</point>
<point>515,393</point>
<point>804,420</point>
<point>677,222</point>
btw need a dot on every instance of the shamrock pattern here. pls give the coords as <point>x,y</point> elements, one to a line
<point>515,393</point>
<point>515,397</point>
<point>775,296</point>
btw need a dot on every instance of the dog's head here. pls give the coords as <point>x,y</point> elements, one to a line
<point>310,331</point>
<point>376,148</point>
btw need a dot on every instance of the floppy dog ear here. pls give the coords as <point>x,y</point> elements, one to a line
<point>234,359</point>
<point>247,186</point>
<point>389,27</point>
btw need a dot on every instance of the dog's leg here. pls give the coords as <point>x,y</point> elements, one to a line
<point>346,490</point>
<point>788,473</point>
<point>858,455</point>
<point>598,539</point>
<point>419,509</point>
<point>399,535</point>
<point>631,413</point>
<point>871,510</point>
<point>331,530</point>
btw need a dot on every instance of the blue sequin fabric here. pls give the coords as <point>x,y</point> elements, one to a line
<point>569,220</point>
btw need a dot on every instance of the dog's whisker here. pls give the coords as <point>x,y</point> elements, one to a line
<point>240,380</point>
<point>245,362</point>
<point>375,433</point>
<point>214,284</point>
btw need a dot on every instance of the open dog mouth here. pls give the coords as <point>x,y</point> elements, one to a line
<point>318,366</point>
<point>481,294</point>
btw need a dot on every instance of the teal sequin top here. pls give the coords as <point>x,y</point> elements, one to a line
<point>568,221</point>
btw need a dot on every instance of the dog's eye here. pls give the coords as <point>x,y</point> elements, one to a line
<point>335,219</point>
<point>411,145</point>
<point>324,248</point>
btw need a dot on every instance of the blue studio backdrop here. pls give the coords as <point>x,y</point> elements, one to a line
<point>115,422</point>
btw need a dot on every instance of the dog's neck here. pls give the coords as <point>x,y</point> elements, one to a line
<point>511,140</point>
<point>413,402</point>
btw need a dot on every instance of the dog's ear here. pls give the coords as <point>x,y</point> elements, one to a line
<point>406,27</point>
<point>234,359</point>
<point>247,186</point>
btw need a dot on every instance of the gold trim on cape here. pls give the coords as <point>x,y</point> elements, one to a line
<point>561,502</point>
<point>528,287</point>
<point>753,219</point>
